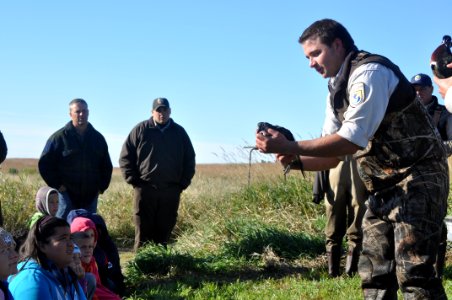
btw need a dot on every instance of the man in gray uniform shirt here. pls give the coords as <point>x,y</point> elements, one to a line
<point>400,156</point>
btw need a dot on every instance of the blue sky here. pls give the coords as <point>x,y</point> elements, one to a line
<point>223,65</point>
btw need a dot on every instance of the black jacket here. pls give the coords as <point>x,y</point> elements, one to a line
<point>3,148</point>
<point>163,157</point>
<point>82,166</point>
<point>439,121</point>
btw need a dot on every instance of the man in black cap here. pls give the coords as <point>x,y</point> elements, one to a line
<point>442,119</point>
<point>158,160</point>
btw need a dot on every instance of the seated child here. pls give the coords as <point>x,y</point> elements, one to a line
<point>106,253</point>
<point>87,280</point>
<point>85,236</point>
<point>46,203</point>
<point>8,262</point>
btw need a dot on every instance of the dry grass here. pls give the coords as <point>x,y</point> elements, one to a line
<point>20,164</point>
<point>211,181</point>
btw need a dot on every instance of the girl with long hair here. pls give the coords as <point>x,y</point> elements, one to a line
<point>44,271</point>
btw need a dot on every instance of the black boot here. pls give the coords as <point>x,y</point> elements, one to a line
<point>351,264</point>
<point>441,255</point>
<point>334,261</point>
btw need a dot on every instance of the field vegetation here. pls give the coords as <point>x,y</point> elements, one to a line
<point>242,233</point>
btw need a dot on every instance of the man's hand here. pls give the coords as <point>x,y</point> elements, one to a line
<point>285,159</point>
<point>272,141</point>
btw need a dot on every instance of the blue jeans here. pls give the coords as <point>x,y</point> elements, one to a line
<point>65,205</point>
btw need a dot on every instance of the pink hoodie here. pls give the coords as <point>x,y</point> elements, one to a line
<point>83,224</point>
<point>101,292</point>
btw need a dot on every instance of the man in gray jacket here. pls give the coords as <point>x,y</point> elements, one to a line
<point>158,160</point>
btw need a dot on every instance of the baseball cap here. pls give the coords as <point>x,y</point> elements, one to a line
<point>160,102</point>
<point>421,79</point>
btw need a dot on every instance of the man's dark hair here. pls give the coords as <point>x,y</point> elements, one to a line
<point>328,30</point>
<point>78,100</point>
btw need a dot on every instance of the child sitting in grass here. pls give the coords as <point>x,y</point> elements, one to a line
<point>46,203</point>
<point>8,262</point>
<point>106,253</point>
<point>85,236</point>
<point>87,280</point>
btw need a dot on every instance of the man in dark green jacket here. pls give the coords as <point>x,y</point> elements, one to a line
<point>158,160</point>
<point>76,162</point>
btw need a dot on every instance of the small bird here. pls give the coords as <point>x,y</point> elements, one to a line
<point>441,57</point>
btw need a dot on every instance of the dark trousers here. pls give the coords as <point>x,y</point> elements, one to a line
<point>155,214</point>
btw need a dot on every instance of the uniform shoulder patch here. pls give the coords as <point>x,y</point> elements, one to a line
<point>357,94</point>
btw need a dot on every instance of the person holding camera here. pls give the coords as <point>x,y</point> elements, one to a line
<point>445,90</point>
<point>400,156</point>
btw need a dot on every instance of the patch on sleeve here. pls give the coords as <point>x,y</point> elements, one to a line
<point>357,94</point>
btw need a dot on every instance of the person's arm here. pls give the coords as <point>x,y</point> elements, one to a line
<point>444,84</point>
<point>308,163</point>
<point>328,146</point>
<point>128,159</point>
<point>3,148</point>
<point>48,164</point>
<point>370,87</point>
<point>106,167</point>
<point>448,143</point>
<point>189,162</point>
<point>444,88</point>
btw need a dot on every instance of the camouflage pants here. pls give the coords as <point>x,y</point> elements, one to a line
<point>401,234</point>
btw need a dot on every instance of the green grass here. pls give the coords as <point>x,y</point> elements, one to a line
<point>232,240</point>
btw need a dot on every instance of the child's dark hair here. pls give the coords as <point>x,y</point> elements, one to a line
<point>39,233</point>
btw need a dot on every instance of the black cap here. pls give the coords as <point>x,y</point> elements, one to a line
<point>160,102</point>
<point>421,79</point>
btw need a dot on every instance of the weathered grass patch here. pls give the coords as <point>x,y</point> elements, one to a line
<point>233,240</point>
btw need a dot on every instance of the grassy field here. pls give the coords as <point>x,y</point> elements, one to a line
<point>242,233</point>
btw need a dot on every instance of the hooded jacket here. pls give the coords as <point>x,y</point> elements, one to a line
<point>102,292</point>
<point>34,282</point>
<point>105,252</point>
<point>42,203</point>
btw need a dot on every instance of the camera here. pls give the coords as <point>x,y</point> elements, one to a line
<point>441,57</point>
